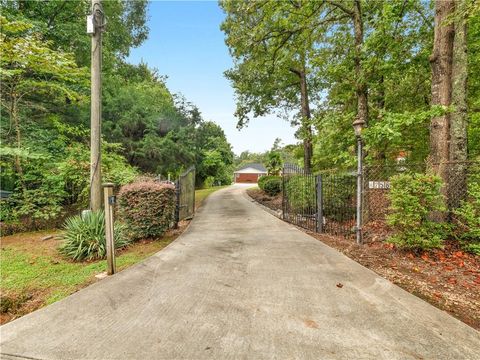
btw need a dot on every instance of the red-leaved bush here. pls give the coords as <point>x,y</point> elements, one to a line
<point>147,207</point>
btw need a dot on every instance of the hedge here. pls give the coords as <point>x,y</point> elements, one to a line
<point>147,207</point>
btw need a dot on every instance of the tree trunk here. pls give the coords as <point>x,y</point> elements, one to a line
<point>360,82</point>
<point>441,63</point>
<point>458,121</point>
<point>306,126</point>
<point>14,115</point>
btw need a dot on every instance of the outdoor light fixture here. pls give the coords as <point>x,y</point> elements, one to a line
<point>358,126</point>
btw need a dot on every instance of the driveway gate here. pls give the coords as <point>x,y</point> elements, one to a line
<point>185,186</point>
<point>323,203</point>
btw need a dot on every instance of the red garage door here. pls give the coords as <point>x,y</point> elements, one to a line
<point>246,178</point>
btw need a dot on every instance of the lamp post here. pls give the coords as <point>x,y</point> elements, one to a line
<point>358,126</point>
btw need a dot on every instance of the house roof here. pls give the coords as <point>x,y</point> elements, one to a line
<point>257,166</point>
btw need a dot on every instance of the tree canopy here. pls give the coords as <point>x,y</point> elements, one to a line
<point>45,58</point>
<point>359,59</point>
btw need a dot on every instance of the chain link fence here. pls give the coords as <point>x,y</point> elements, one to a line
<point>460,176</point>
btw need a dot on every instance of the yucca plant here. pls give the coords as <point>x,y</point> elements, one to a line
<point>84,237</point>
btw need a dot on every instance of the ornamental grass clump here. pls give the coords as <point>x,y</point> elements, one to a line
<point>147,208</point>
<point>416,208</point>
<point>84,237</point>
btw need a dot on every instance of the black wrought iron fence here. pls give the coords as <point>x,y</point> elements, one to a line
<point>185,186</point>
<point>300,197</point>
<point>338,202</point>
<point>319,202</point>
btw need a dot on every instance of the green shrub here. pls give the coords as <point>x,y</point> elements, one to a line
<point>415,199</point>
<point>273,186</point>
<point>467,217</point>
<point>301,193</point>
<point>84,237</point>
<point>263,179</point>
<point>147,207</point>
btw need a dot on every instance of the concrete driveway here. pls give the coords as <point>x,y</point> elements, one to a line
<point>241,284</point>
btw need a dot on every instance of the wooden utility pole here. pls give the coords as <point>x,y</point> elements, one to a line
<point>96,107</point>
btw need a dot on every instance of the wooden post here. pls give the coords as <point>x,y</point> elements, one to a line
<point>109,200</point>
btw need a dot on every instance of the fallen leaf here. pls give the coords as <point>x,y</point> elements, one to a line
<point>339,285</point>
<point>441,256</point>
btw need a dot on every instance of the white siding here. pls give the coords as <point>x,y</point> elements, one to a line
<point>249,171</point>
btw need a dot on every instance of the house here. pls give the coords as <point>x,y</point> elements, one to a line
<point>249,173</point>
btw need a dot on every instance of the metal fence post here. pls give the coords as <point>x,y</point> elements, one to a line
<point>284,210</point>
<point>319,203</point>
<point>359,190</point>
<point>193,189</point>
<point>109,201</point>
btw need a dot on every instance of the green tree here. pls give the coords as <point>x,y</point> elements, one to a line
<point>63,23</point>
<point>272,44</point>
<point>33,73</point>
<point>274,163</point>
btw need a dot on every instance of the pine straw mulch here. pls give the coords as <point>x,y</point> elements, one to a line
<point>272,202</point>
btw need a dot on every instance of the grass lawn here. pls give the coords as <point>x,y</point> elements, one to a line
<point>33,273</point>
<point>201,194</point>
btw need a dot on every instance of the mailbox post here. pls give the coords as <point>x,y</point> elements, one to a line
<point>109,201</point>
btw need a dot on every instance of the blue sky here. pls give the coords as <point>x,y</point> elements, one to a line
<point>186,44</point>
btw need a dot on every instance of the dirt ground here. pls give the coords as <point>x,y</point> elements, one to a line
<point>272,202</point>
<point>448,278</point>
